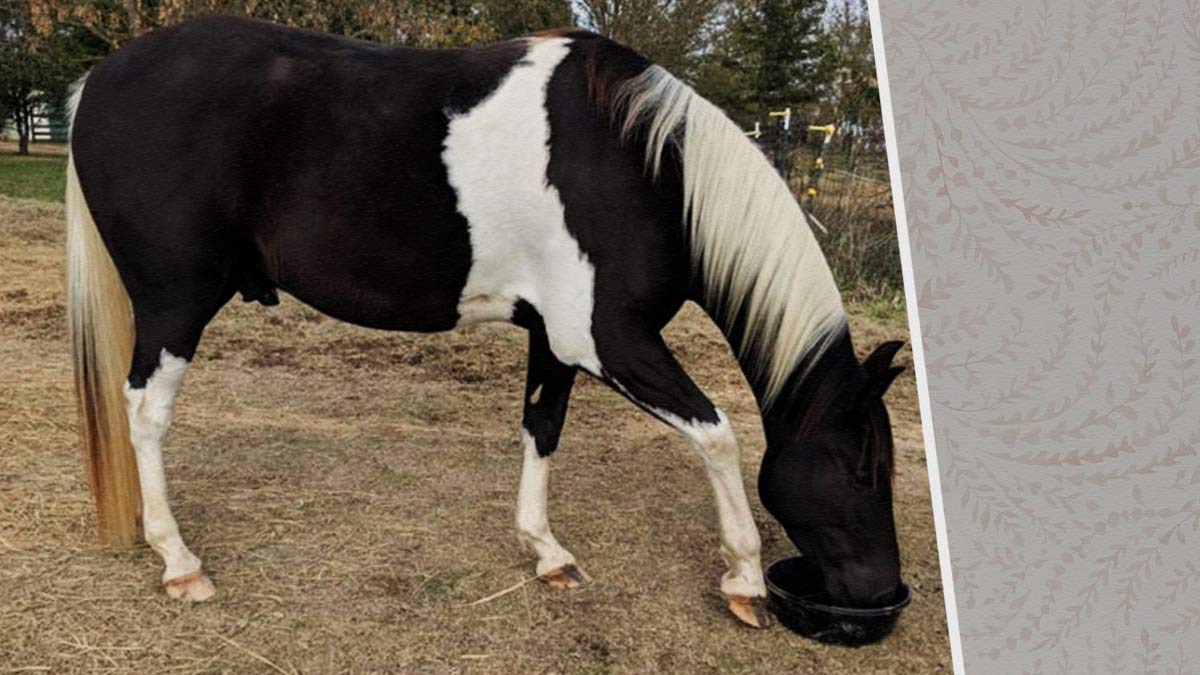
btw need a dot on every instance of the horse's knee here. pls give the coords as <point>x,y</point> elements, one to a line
<point>715,443</point>
<point>544,428</point>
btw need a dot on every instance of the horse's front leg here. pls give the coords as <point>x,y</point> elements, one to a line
<point>641,367</point>
<point>547,390</point>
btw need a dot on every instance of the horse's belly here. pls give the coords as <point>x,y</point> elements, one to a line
<point>378,274</point>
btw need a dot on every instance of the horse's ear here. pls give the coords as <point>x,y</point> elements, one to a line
<point>881,358</point>
<point>878,383</point>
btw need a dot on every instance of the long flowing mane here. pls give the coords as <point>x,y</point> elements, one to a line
<point>765,278</point>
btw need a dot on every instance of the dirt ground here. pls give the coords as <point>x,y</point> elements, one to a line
<point>352,491</point>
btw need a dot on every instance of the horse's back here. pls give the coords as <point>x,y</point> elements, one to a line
<point>395,188</point>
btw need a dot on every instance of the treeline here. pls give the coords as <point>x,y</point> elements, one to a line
<point>748,56</point>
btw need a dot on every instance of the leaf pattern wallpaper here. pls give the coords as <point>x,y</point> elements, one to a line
<point>1050,157</point>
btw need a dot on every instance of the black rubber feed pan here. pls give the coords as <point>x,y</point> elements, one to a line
<point>793,587</point>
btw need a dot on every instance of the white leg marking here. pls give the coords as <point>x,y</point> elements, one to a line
<point>150,409</point>
<point>497,155</point>
<point>740,544</point>
<point>533,524</point>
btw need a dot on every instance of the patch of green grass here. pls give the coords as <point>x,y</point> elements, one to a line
<point>41,177</point>
<point>887,308</point>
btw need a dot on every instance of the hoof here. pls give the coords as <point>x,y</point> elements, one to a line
<point>750,611</point>
<point>193,587</point>
<point>566,578</point>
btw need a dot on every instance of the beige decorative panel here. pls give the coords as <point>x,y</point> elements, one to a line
<point>1050,155</point>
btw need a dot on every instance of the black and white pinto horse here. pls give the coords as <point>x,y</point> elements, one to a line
<point>559,182</point>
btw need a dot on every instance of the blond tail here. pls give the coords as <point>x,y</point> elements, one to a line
<point>101,326</point>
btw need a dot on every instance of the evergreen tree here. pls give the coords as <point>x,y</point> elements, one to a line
<point>766,55</point>
<point>780,52</point>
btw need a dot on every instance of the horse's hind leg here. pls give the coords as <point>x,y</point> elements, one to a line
<point>165,343</point>
<point>644,370</point>
<point>547,390</point>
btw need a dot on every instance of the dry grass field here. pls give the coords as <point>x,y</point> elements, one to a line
<point>352,493</point>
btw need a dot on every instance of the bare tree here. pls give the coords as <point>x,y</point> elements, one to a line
<point>432,23</point>
<point>674,33</point>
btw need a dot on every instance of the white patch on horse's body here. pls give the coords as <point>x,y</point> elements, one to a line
<point>483,308</point>
<point>533,523</point>
<point>150,410</point>
<point>496,157</point>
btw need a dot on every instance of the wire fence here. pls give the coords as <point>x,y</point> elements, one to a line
<point>840,174</point>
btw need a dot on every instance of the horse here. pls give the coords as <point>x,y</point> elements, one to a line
<point>560,182</point>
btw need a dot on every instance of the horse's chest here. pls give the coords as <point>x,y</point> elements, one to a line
<point>496,157</point>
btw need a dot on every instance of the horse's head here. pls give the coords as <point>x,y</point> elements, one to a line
<point>827,478</point>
